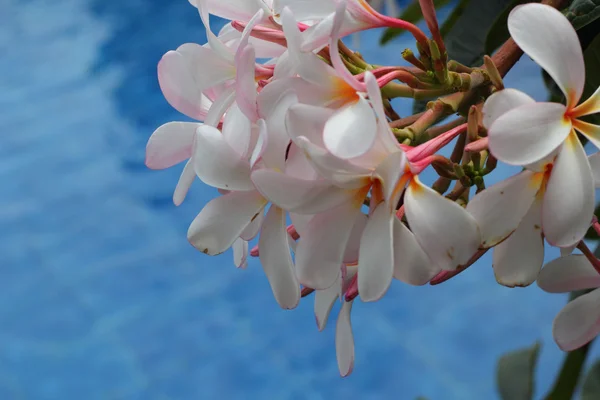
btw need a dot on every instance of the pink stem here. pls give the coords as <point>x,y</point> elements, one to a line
<point>352,291</point>
<point>431,147</point>
<point>390,22</point>
<point>445,275</point>
<point>589,255</point>
<point>402,76</point>
<point>478,145</point>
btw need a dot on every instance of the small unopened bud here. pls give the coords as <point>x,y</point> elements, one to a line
<point>409,56</point>
<point>493,73</point>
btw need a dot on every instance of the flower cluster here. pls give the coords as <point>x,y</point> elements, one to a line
<point>310,136</point>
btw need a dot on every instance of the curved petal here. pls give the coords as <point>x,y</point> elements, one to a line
<point>184,183</point>
<point>578,322</point>
<point>389,173</point>
<point>305,10</point>
<point>217,164</point>
<point>237,130</point>
<point>276,259</point>
<point>320,251</point>
<point>308,121</point>
<point>353,246</point>
<point>336,59</point>
<point>240,253</point>
<point>299,195</point>
<point>231,9</point>
<point>590,131</point>
<point>324,301</point>
<point>376,254</point>
<point>170,144</point>
<point>223,219</point>
<point>411,263</point>
<point>590,106</point>
<point>252,229</point>
<point>517,261</point>
<point>500,208</point>
<point>262,142</point>
<point>385,139</point>
<point>434,219</point>
<point>350,132</point>
<point>528,133</point>
<point>245,84</point>
<point>344,340</point>
<point>502,102</point>
<point>546,35</point>
<point>594,161</point>
<point>569,199</point>
<point>279,139</point>
<point>567,274</point>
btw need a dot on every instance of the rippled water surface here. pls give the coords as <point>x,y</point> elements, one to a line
<point>101,296</point>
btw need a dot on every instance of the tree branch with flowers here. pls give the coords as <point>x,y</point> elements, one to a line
<point>310,137</point>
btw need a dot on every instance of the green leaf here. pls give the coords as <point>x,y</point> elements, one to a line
<point>412,14</point>
<point>453,17</point>
<point>583,12</point>
<point>515,373</point>
<point>591,385</point>
<point>498,33</point>
<point>591,56</point>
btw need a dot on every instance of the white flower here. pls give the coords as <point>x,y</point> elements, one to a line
<point>535,134</point>
<point>579,321</point>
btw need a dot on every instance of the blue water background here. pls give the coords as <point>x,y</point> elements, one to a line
<point>101,296</point>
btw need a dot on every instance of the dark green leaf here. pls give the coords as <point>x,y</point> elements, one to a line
<point>498,33</point>
<point>591,56</point>
<point>583,12</point>
<point>454,16</point>
<point>413,14</point>
<point>515,373</point>
<point>591,385</point>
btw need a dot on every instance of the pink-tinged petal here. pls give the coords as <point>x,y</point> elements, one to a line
<point>344,340</point>
<point>376,255</point>
<point>353,246</point>
<point>279,139</point>
<point>300,222</point>
<point>222,103</point>
<point>502,102</point>
<point>237,130</point>
<point>446,231</point>
<point>184,183</point>
<point>569,199</point>
<point>590,106</point>
<point>299,195</point>
<point>262,142</point>
<point>276,259</point>
<point>170,144</point>
<point>566,251</point>
<point>324,301</point>
<point>321,249</point>
<point>306,92</point>
<point>231,37</point>
<point>548,37</point>
<point>350,132</point>
<point>231,9</point>
<point>305,10</point>
<point>528,133</point>
<point>567,274</point>
<point>578,322</point>
<point>500,208</point>
<point>590,131</point>
<point>217,164</point>
<point>517,261</point>
<point>213,42</point>
<point>252,229</point>
<point>594,161</point>
<point>336,59</point>
<point>223,219</point>
<point>240,253</point>
<point>340,172</point>
<point>385,140</point>
<point>245,84</point>
<point>308,121</point>
<point>411,263</point>
<point>298,166</point>
<point>389,173</point>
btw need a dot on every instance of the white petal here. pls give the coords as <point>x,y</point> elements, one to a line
<point>578,322</point>
<point>376,255</point>
<point>276,259</point>
<point>324,301</point>
<point>320,251</point>
<point>305,10</point>
<point>344,340</point>
<point>569,200</point>
<point>185,181</point>
<point>308,121</point>
<point>240,253</point>
<point>350,132</point>
<point>500,208</point>
<point>279,139</point>
<point>237,130</point>
<point>217,164</point>
<point>307,93</point>
<point>353,246</point>
<point>252,229</point>
<point>299,195</point>
<point>517,261</point>
<point>385,137</point>
<point>590,106</point>
<point>298,166</point>
<point>411,263</point>
<point>546,35</point>
<point>528,133</point>
<point>594,161</point>
<point>567,274</point>
<point>447,232</point>
<point>501,102</point>
<point>170,144</point>
<point>223,219</point>
<point>262,142</point>
<point>241,10</point>
<point>245,82</point>
<point>389,173</point>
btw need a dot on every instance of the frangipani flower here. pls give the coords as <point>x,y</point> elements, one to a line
<point>579,321</point>
<point>532,132</point>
